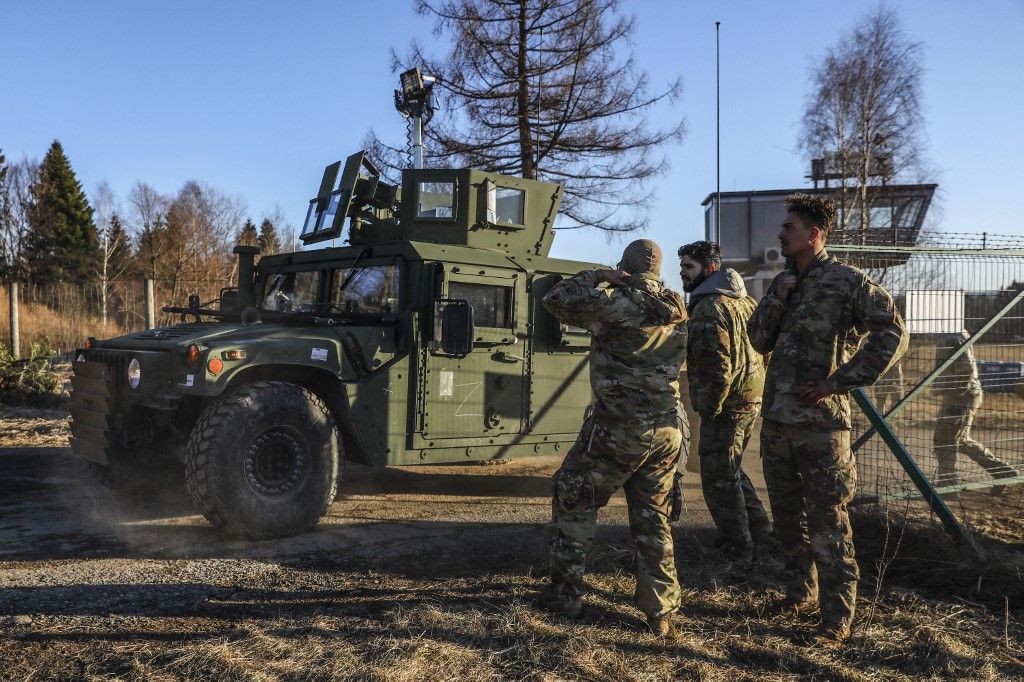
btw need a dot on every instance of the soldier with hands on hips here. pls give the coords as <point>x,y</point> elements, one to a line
<point>805,321</point>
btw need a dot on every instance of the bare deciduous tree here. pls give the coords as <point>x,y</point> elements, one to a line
<point>115,248</point>
<point>864,112</point>
<point>541,89</point>
<point>15,207</point>
<point>147,218</point>
<point>202,223</point>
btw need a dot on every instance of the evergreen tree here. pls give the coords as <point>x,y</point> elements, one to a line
<point>269,242</point>
<point>247,236</point>
<point>62,242</point>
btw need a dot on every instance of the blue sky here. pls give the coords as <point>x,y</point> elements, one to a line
<point>257,97</point>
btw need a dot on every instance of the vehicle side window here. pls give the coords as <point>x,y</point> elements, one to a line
<point>510,206</point>
<point>492,305</point>
<point>292,292</point>
<point>435,200</point>
<point>370,289</point>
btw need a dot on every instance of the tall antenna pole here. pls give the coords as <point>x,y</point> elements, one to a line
<point>718,144</point>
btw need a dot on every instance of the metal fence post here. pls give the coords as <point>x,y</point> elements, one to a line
<point>12,293</point>
<point>150,309</point>
<point>906,460</point>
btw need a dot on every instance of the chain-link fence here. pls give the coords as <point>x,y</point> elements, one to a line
<point>956,399</point>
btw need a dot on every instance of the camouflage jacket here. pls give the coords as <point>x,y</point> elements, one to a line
<point>808,337</point>
<point>960,384</point>
<point>637,348</point>
<point>724,370</point>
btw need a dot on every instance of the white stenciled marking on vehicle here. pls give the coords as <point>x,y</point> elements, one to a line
<point>447,388</point>
<point>459,412</point>
<point>318,354</point>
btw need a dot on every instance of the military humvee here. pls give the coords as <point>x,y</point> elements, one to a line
<point>422,341</point>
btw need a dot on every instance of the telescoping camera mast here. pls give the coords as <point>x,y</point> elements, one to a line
<point>415,101</point>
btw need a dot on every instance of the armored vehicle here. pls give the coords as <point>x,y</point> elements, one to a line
<point>423,340</point>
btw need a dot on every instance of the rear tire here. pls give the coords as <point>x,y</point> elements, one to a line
<point>263,462</point>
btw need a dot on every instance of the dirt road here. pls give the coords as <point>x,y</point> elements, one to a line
<point>416,573</point>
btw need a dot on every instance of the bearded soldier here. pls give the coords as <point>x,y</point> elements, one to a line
<point>633,438</point>
<point>805,321</point>
<point>726,378</point>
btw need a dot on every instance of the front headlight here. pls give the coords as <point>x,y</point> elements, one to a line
<point>134,373</point>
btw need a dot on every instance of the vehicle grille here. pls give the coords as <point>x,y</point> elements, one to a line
<point>117,361</point>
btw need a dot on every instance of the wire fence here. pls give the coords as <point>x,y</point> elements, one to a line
<point>59,316</point>
<point>961,420</point>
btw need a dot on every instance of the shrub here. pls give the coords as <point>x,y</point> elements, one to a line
<point>30,380</point>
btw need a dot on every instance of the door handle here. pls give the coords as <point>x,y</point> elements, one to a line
<point>504,356</point>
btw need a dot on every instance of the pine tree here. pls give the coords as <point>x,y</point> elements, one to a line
<point>62,242</point>
<point>269,242</point>
<point>247,236</point>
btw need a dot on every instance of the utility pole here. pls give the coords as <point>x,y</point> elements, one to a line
<point>718,143</point>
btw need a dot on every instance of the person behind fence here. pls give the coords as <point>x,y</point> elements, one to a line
<point>961,397</point>
<point>633,437</point>
<point>804,321</point>
<point>726,377</point>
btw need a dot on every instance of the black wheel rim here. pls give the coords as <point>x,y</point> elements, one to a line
<point>277,463</point>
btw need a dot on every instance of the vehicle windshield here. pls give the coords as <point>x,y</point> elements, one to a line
<point>370,289</point>
<point>291,292</point>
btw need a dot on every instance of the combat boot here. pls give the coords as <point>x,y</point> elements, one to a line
<point>831,635</point>
<point>1003,472</point>
<point>660,626</point>
<point>795,602</point>
<point>562,605</point>
<point>946,476</point>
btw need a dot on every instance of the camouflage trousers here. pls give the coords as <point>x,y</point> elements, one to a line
<point>952,436</point>
<point>605,458</point>
<point>728,492</point>
<point>811,477</point>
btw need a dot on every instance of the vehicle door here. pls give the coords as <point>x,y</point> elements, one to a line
<point>481,394</point>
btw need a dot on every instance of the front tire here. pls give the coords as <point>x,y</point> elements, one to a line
<point>263,462</point>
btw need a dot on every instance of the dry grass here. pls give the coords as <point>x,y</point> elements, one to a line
<point>32,427</point>
<point>63,327</point>
<point>328,622</point>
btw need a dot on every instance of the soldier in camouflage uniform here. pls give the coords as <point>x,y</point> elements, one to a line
<point>633,438</point>
<point>804,321</point>
<point>961,398</point>
<point>726,381</point>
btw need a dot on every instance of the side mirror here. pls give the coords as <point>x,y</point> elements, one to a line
<point>229,299</point>
<point>457,328</point>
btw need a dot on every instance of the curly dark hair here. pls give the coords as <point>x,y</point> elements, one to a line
<point>817,211</point>
<point>705,253</point>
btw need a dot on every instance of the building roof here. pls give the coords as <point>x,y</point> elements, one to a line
<point>805,190</point>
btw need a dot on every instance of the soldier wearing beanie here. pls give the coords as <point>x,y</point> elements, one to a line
<point>632,438</point>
